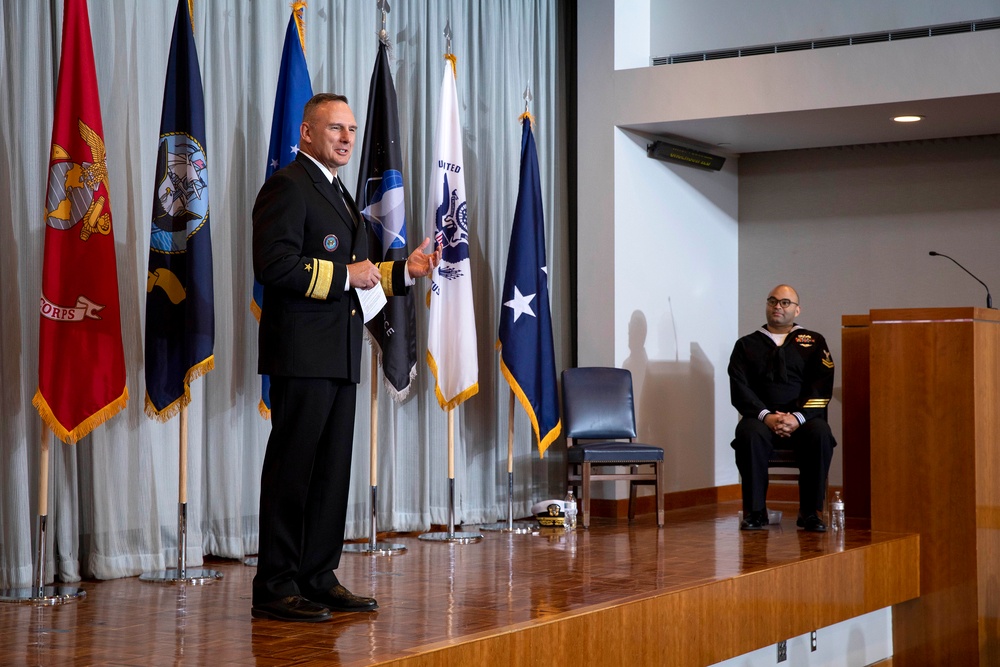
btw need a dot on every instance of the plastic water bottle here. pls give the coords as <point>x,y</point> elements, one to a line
<point>837,513</point>
<point>570,511</point>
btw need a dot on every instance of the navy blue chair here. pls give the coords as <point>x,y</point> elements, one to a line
<point>598,408</point>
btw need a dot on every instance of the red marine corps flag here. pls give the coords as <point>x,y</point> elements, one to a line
<point>81,363</point>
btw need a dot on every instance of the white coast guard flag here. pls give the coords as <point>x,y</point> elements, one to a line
<point>451,338</point>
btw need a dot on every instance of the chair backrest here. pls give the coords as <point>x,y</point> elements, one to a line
<point>597,403</point>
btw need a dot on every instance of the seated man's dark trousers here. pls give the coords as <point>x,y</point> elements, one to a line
<point>813,444</point>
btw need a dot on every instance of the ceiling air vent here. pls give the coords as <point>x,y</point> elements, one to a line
<point>831,42</point>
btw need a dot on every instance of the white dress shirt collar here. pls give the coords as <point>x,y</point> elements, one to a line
<point>326,172</point>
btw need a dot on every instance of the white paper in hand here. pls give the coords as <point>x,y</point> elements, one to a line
<point>372,301</point>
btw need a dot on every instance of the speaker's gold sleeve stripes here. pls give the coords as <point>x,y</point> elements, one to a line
<point>323,281</point>
<point>385,268</point>
<point>322,277</point>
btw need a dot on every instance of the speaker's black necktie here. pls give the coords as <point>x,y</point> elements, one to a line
<point>339,189</point>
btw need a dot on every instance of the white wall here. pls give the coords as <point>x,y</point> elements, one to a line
<point>634,51</point>
<point>686,26</point>
<point>658,243</point>
<point>916,69</point>
<point>675,273</point>
<point>863,640</point>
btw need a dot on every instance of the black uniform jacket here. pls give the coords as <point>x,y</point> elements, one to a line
<point>305,233</point>
<point>796,377</point>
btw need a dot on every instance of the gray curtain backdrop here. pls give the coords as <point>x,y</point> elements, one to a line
<point>113,496</point>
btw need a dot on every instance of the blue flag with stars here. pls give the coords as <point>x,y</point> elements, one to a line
<point>294,90</point>
<point>527,356</point>
<point>180,301</point>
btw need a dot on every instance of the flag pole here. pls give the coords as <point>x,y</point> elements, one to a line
<point>451,473</point>
<point>373,447</point>
<point>43,511</point>
<point>508,526</point>
<point>451,536</point>
<point>373,547</point>
<point>39,593</point>
<point>523,526</point>
<point>183,116</point>
<point>181,574</point>
<point>449,406</point>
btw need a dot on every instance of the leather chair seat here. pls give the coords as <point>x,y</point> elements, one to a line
<point>624,453</point>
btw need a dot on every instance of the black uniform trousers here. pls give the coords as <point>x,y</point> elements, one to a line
<point>813,444</point>
<point>304,486</point>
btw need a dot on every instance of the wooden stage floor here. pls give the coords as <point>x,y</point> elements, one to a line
<point>693,593</point>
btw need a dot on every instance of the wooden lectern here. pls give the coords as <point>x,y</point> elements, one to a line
<point>935,470</point>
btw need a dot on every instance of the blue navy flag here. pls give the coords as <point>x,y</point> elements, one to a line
<point>294,90</point>
<point>380,197</point>
<point>180,303</point>
<point>527,357</point>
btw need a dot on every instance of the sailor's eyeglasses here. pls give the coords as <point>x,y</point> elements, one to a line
<point>784,303</point>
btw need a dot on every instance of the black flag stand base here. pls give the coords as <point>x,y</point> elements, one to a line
<point>39,594</point>
<point>511,526</point>
<point>373,548</point>
<point>451,536</point>
<point>182,574</point>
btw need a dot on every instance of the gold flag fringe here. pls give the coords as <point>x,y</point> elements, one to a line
<point>466,393</point>
<point>255,309</point>
<point>526,114</point>
<point>300,23</point>
<point>84,427</point>
<point>549,438</point>
<point>174,408</point>
<point>264,411</point>
<point>450,57</point>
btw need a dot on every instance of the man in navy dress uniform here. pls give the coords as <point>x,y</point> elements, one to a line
<point>781,381</point>
<point>310,252</point>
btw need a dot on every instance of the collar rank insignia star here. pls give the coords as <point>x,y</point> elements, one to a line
<point>805,340</point>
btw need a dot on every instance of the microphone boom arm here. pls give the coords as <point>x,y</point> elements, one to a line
<point>989,298</point>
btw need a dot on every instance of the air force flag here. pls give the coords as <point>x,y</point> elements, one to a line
<point>294,90</point>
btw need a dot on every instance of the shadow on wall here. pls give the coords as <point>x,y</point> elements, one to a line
<point>675,409</point>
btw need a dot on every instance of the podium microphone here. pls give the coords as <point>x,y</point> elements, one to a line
<point>989,299</point>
